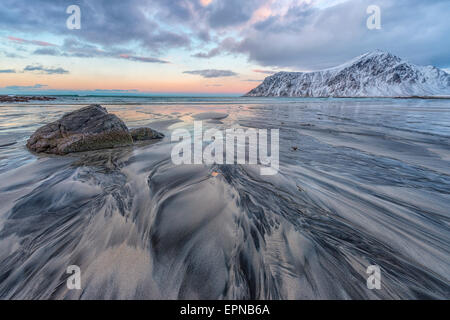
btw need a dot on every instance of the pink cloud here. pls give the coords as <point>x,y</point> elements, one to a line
<point>33,42</point>
<point>205,3</point>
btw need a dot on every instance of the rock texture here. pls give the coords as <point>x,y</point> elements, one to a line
<point>89,128</point>
<point>374,74</point>
<point>24,98</point>
<point>142,134</point>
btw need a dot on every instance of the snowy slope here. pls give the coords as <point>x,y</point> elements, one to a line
<point>374,74</point>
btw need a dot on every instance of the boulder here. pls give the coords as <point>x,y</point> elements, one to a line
<point>89,128</point>
<point>142,134</point>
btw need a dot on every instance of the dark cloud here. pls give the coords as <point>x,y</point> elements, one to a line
<point>113,22</point>
<point>231,12</point>
<point>212,53</point>
<point>103,22</point>
<point>46,70</point>
<point>75,48</point>
<point>141,59</point>
<point>225,47</point>
<point>8,71</point>
<point>47,51</point>
<point>212,73</point>
<point>153,24</point>
<point>303,36</point>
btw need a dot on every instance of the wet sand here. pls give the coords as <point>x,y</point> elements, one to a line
<point>361,182</point>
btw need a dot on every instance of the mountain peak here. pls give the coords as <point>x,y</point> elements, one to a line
<point>373,74</point>
<point>378,53</point>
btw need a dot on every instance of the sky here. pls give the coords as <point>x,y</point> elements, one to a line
<point>203,46</point>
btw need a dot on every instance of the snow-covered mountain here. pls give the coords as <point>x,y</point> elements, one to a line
<point>374,74</point>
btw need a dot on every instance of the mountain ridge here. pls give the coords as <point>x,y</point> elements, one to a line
<point>373,74</point>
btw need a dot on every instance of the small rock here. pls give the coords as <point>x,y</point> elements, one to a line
<point>142,134</point>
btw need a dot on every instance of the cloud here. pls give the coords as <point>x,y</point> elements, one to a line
<point>294,34</point>
<point>226,46</point>
<point>74,48</point>
<point>141,59</point>
<point>156,25</point>
<point>264,71</point>
<point>205,3</point>
<point>8,71</point>
<point>46,70</point>
<point>306,37</point>
<point>36,86</point>
<point>252,80</point>
<point>114,22</point>
<point>11,55</point>
<point>212,73</point>
<point>47,51</point>
<point>104,22</point>
<point>231,12</point>
<point>33,42</point>
<point>309,35</point>
<point>212,53</point>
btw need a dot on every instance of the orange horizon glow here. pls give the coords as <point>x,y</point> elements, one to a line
<point>74,82</point>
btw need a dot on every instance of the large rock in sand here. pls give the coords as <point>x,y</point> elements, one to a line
<point>86,129</point>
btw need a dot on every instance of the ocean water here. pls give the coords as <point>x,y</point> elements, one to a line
<point>368,184</point>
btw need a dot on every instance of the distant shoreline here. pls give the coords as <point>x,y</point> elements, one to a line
<point>38,100</point>
<point>6,98</point>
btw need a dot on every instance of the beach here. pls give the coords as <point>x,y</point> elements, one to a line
<point>361,182</point>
